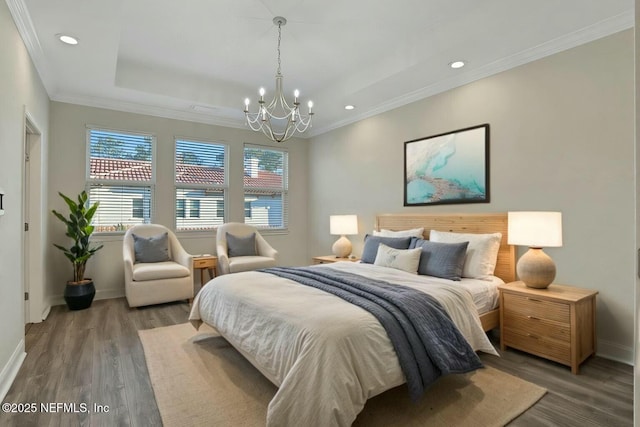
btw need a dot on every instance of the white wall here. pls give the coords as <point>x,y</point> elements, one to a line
<point>21,90</point>
<point>67,164</point>
<point>562,138</point>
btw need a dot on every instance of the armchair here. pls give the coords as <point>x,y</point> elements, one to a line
<point>265,255</point>
<point>148,282</point>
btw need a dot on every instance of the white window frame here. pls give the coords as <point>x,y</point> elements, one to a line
<point>284,189</point>
<point>215,187</point>
<point>112,182</point>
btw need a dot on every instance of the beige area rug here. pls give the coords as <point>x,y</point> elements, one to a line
<point>199,379</point>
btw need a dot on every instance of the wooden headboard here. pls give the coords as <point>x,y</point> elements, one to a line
<point>460,223</point>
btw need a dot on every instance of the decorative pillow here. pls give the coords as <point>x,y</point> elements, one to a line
<point>401,259</point>
<point>414,232</point>
<point>371,243</point>
<point>482,251</point>
<point>151,249</point>
<point>443,260</point>
<point>241,246</point>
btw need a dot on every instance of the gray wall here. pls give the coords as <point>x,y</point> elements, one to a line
<point>562,139</point>
<point>20,91</point>
<point>636,383</point>
<point>67,165</point>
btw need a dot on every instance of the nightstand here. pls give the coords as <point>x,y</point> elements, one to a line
<point>328,259</point>
<point>557,323</point>
<point>205,262</point>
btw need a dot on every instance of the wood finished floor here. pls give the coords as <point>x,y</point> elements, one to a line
<point>94,356</point>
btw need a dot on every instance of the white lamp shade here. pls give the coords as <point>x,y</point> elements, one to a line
<point>341,225</point>
<point>535,229</point>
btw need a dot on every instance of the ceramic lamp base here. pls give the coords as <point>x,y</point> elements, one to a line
<point>342,247</point>
<point>536,269</point>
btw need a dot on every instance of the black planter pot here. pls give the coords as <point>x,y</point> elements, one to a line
<point>79,297</point>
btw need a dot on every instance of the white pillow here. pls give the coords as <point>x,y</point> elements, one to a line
<point>401,259</point>
<point>482,252</point>
<point>414,232</point>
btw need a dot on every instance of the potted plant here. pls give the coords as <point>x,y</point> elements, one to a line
<point>80,291</point>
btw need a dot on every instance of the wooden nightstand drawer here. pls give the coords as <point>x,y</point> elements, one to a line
<point>204,262</point>
<point>560,351</point>
<point>531,306</point>
<point>537,326</point>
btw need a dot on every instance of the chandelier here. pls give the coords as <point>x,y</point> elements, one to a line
<point>278,120</point>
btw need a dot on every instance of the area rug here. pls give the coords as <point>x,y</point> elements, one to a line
<point>199,379</point>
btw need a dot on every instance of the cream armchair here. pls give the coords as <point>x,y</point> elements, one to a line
<point>265,255</point>
<point>149,283</point>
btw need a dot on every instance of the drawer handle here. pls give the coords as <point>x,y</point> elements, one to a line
<point>533,318</point>
<point>533,336</point>
<point>533,299</point>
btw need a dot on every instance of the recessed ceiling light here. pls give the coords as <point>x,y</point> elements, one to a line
<point>67,39</point>
<point>349,107</point>
<point>457,64</point>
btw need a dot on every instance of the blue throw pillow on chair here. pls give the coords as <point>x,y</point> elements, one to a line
<point>241,246</point>
<point>151,249</point>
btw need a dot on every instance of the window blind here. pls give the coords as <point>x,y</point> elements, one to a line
<point>201,184</point>
<point>120,177</point>
<point>265,187</point>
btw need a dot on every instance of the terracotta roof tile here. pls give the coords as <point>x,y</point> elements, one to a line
<point>139,170</point>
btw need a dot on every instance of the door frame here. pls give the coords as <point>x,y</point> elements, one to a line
<point>33,210</point>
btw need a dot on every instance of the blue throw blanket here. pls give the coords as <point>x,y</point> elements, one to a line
<point>426,341</point>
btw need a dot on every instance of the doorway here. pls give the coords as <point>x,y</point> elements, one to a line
<point>32,215</point>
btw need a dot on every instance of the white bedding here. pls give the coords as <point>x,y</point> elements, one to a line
<point>326,355</point>
<point>484,293</point>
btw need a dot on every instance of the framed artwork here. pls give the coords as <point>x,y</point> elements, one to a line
<point>448,168</point>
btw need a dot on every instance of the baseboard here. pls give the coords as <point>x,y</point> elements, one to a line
<point>614,351</point>
<point>100,294</point>
<point>45,312</point>
<point>10,370</point>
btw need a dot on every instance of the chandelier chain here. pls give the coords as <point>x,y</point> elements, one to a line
<point>279,38</point>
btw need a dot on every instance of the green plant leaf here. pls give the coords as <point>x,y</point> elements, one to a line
<point>79,230</point>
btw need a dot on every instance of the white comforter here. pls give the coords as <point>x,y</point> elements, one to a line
<point>326,355</point>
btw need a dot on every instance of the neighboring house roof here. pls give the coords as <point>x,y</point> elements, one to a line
<point>139,170</point>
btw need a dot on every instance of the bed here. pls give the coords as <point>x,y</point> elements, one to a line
<point>328,356</point>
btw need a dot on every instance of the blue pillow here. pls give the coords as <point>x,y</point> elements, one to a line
<point>443,260</point>
<point>151,249</point>
<point>241,246</point>
<point>371,246</point>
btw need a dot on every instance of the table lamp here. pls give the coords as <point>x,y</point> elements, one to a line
<point>536,230</point>
<point>342,225</point>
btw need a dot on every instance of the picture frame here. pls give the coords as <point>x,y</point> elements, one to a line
<point>448,168</point>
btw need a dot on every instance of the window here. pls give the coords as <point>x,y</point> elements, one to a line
<point>265,187</point>
<point>180,208</point>
<point>194,208</point>
<point>120,177</point>
<point>137,210</point>
<point>201,184</point>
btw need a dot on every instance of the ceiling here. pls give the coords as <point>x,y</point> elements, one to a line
<point>199,59</point>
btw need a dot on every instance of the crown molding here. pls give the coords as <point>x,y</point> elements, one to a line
<point>585,35</point>
<point>150,110</point>
<point>27,31</point>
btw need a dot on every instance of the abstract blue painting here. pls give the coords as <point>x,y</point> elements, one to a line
<point>447,168</point>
